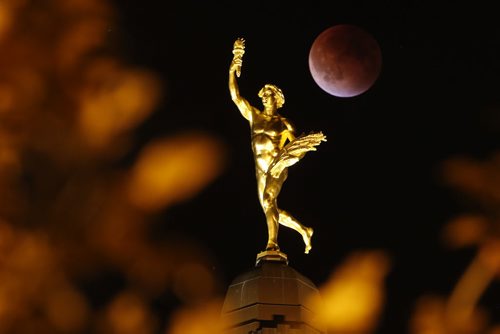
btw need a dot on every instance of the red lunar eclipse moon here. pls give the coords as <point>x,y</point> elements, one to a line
<point>345,60</point>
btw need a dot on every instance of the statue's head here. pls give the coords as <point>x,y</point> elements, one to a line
<point>276,93</point>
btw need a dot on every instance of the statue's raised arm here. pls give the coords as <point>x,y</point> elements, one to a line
<point>269,133</point>
<point>235,71</point>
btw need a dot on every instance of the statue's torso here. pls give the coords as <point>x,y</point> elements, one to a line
<point>266,137</point>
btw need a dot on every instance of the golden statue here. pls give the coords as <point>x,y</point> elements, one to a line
<point>275,148</point>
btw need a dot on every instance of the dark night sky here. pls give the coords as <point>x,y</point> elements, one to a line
<point>375,184</point>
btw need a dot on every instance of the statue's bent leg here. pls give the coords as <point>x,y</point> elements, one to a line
<point>287,220</point>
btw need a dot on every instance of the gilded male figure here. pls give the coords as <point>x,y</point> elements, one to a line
<point>275,148</point>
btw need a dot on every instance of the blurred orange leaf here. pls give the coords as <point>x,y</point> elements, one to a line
<point>174,169</point>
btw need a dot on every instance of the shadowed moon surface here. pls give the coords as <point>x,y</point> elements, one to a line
<point>345,60</point>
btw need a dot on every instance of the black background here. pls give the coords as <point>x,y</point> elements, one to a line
<point>376,183</point>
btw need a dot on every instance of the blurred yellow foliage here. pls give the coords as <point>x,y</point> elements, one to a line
<point>69,211</point>
<point>432,316</point>
<point>114,101</point>
<point>174,169</point>
<point>31,280</point>
<point>354,295</point>
<point>480,179</point>
<point>462,312</point>
<point>465,230</point>
<point>200,319</point>
<point>193,283</point>
<point>128,313</point>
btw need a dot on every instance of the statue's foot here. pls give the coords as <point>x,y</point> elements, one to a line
<point>272,246</point>
<point>307,239</point>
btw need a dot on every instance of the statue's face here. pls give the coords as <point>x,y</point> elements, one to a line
<point>269,99</point>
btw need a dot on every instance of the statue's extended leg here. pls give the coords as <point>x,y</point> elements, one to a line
<point>272,214</point>
<point>272,217</point>
<point>287,220</point>
<point>270,205</point>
